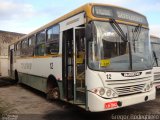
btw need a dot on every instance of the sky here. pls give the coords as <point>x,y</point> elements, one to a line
<point>24,16</point>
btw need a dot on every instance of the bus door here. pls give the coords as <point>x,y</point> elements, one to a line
<point>73,65</point>
<point>79,65</point>
<point>67,65</point>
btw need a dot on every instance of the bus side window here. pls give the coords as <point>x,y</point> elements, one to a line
<point>24,50</point>
<point>52,45</point>
<point>18,48</point>
<point>40,44</point>
<point>31,43</point>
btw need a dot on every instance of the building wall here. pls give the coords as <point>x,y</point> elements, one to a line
<point>6,38</point>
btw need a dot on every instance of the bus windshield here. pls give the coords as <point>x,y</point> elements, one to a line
<point>156,53</point>
<point>110,52</point>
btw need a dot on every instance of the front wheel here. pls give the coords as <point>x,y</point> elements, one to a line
<point>53,94</point>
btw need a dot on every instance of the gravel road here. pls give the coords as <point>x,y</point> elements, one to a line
<point>24,103</point>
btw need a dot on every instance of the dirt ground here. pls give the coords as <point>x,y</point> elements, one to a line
<point>24,103</point>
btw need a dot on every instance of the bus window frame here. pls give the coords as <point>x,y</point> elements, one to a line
<point>18,44</point>
<point>25,44</point>
<point>31,47</point>
<point>51,27</point>
<point>53,41</point>
<point>18,49</point>
<point>38,33</point>
<point>30,38</point>
<point>38,44</point>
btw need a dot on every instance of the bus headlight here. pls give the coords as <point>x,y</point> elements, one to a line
<point>108,93</point>
<point>101,91</point>
<point>105,92</point>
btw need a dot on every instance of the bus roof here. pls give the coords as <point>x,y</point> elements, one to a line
<point>153,36</point>
<point>154,39</point>
<point>85,8</point>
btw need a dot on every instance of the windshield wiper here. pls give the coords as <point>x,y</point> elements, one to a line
<point>118,30</point>
<point>136,33</point>
<point>124,37</point>
<point>137,30</point>
<point>155,57</point>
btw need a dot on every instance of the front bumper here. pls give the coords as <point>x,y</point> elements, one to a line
<point>97,103</point>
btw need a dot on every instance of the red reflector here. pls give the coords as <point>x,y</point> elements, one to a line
<point>158,86</point>
<point>110,105</point>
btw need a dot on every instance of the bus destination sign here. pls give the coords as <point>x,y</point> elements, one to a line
<point>119,14</point>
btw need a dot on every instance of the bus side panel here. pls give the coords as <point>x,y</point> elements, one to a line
<point>33,81</point>
<point>35,71</point>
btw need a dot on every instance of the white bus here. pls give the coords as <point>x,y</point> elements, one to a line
<point>97,57</point>
<point>155,43</point>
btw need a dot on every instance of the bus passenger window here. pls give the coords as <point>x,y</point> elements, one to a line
<point>52,46</point>
<point>18,48</point>
<point>31,42</point>
<point>40,44</point>
<point>24,43</point>
<point>24,50</point>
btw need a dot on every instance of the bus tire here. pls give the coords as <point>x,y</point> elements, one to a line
<point>52,89</point>
<point>53,94</point>
<point>16,77</point>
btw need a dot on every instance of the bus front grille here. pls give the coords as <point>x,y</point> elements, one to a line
<point>156,77</point>
<point>126,90</point>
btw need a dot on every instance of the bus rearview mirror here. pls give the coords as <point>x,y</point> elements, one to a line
<point>88,32</point>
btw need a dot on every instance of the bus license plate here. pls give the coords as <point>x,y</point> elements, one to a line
<point>110,105</point>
